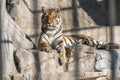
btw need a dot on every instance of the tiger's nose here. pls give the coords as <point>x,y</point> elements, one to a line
<point>49,24</point>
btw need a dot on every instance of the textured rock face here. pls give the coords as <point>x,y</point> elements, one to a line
<point>26,62</point>
<point>49,63</point>
<point>103,60</point>
<point>84,63</point>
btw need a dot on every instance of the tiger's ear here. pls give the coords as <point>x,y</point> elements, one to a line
<point>43,10</point>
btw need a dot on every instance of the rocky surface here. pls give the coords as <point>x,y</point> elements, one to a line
<point>84,63</point>
<point>25,61</point>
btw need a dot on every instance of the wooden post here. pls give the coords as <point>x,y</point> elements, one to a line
<point>112,13</point>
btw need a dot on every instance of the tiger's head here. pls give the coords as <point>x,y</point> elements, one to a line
<point>51,19</point>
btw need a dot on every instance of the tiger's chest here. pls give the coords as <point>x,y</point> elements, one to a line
<point>52,40</point>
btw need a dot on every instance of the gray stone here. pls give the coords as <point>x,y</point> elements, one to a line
<point>102,78</point>
<point>49,62</point>
<point>82,59</point>
<point>83,64</point>
<point>102,54</point>
<point>102,64</point>
<point>107,71</point>
<point>25,61</point>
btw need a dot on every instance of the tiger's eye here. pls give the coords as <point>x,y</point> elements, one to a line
<point>46,14</point>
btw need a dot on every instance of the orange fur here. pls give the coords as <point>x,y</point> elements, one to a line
<point>52,14</point>
<point>45,46</point>
<point>87,37</point>
<point>63,57</point>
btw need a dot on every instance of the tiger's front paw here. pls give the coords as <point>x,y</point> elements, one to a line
<point>48,50</point>
<point>62,60</point>
<point>63,63</point>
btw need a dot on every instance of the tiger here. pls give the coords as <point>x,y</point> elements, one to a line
<point>52,36</point>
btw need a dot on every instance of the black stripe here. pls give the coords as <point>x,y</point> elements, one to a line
<point>46,39</point>
<point>59,42</point>
<point>65,41</point>
<point>85,41</point>
<point>93,44</point>
<point>97,43</point>
<point>60,29</point>
<point>71,40</point>
<point>58,37</point>
<point>43,36</point>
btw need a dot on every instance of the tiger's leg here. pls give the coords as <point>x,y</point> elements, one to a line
<point>43,43</point>
<point>85,39</point>
<point>59,46</point>
<point>62,57</point>
<point>68,54</point>
<point>45,47</point>
<point>63,60</point>
<point>88,40</point>
<point>81,39</point>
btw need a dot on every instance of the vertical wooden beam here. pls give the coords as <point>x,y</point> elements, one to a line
<point>112,13</point>
<point>112,19</point>
<point>112,23</point>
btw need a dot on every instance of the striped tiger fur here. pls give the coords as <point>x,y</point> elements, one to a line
<point>52,37</point>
